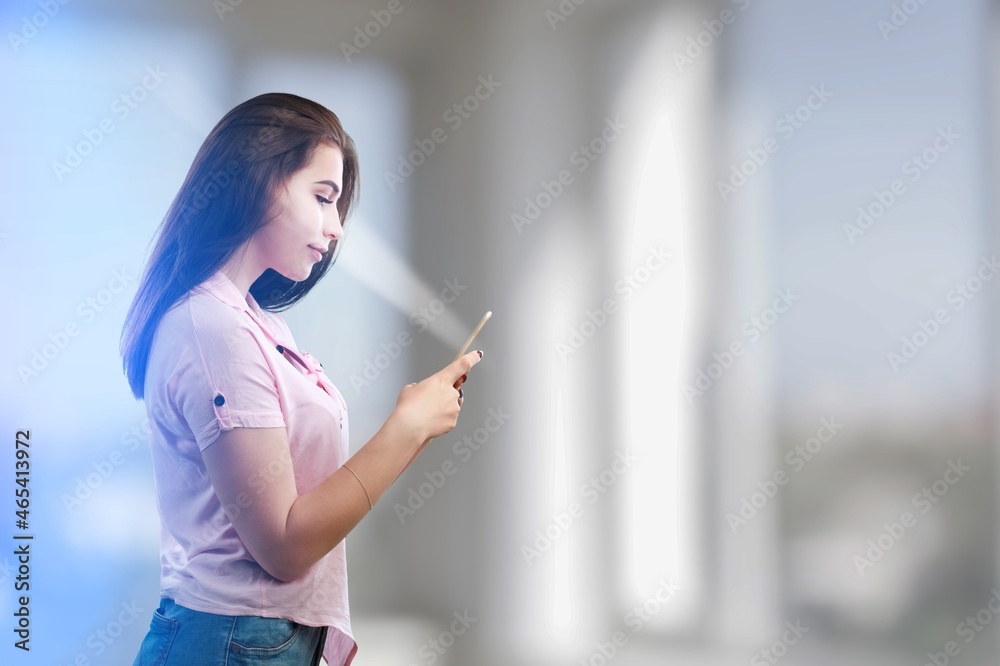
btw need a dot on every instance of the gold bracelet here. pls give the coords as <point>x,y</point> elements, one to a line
<point>362,486</point>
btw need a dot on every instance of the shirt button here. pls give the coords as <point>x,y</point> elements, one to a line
<point>219,400</point>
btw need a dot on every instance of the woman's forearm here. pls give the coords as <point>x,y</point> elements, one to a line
<point>321,518</point>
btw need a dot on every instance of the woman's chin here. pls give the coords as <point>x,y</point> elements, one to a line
<point>300,274</point>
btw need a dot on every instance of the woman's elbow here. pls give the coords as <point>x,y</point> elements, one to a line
<point>290,564</point>
<point>279,563</point>
<point>284,571</point>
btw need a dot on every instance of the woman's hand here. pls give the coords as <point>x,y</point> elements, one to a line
<point>430,408</point>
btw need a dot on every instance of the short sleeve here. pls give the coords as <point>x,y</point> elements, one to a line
<point>224,379</point>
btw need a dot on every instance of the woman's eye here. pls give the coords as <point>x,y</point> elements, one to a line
<point>323,200</point>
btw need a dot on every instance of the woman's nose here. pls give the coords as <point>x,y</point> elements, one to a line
<point>334,230</point>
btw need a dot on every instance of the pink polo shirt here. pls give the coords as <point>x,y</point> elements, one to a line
<point>215,365</point>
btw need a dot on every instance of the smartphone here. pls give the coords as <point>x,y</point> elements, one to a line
<point>465,347</point>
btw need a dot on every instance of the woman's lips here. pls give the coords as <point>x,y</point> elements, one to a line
<point>319,255</point>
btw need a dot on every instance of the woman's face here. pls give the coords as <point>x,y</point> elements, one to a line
<point>308,217</point>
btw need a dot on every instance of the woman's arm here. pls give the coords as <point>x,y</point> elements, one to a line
<point>287,533</point>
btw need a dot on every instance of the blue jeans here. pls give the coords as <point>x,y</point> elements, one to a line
<point>180,636</point>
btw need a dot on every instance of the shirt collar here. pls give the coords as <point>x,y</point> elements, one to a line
<point>220,286</point>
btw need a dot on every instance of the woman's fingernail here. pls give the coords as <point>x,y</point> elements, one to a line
<point>480,352</point>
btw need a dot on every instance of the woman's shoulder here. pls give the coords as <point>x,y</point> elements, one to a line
<point>199,320</point>
<point>204,333</point>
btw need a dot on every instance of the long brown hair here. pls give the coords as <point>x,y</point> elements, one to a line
<point>228,195</point>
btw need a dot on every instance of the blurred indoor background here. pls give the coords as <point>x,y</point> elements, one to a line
<point>737,402</point>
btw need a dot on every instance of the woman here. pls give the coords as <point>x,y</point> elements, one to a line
<point>249,438</point>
